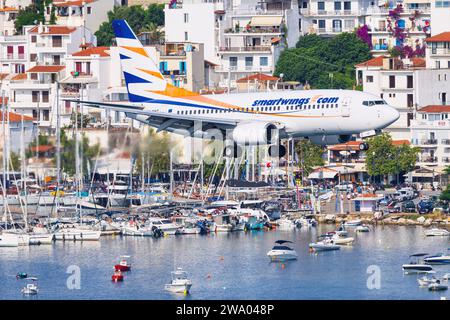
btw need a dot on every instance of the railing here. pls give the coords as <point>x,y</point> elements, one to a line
<point>314,12</point>
<point>429,141</point>
<point>446,159</point>
<point>246,49</point>
<point>256,12</point>
<point>380,47</point>
<point>440,51</point>
<point>429,159</point>
<point>12,56</point>
<point>379,10</point>
<point>254,30</point>
<point>446,141</point>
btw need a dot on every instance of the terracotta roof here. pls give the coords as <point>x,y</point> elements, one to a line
<point>19,76</point>
<point>43,148</point>
<point>7,9</point>
<point>53,30</point>
<point>354,145</point>
<point>441,37</point>
<point>259,77</point>
<point>102,51</point>
<point>46,69</point>
<point>15,117</point>
<point>3,76</point>
<point>77,3</point>
<point>435,109</point>
<point>418,62</point>
<point>374,62</point>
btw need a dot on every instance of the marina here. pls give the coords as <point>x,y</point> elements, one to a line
<point>227,266</point>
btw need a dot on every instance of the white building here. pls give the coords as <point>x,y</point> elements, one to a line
<point>76,13</point>
<point>440,15</point>
<point>13,55</point>
<point>330,17</point>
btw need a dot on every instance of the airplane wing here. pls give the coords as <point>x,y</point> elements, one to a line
<point>163,120</point>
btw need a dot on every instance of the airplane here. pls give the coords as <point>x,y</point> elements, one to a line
<point>323,116</point>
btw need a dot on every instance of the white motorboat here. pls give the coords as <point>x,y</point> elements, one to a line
<point>341,231</point>
<point>437,259</point>
<point>282,252</point>
<point>324,245</point>
<point>41,238</point>
<point>436,232</point>
<point>446,277</point>
<point>362,228</point>
<point>31,288</point>
<point>437,286</point>
<point>23,239</point>
<point>353,223</point>
<point>165,225</point>
<point>417,265</point>
<point>132,228</point>
<point>425,281</point>
<point>8,240</point>
<point>346,241</point>
<point>180,282</point>
<point>77,233</point>
<point>286,224</point>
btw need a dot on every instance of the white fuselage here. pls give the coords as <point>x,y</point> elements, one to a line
<point>300,113</point>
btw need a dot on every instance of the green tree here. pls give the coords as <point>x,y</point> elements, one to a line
<point>136,16</point>
<point>324,62</point>
<point>445,195</point>
<point>310,156</point>
<point>27,16</point>
<point>383,158</point>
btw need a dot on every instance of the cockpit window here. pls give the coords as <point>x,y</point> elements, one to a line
<point>373,103</point>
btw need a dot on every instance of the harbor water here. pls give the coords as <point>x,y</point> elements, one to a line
<point>226,266</point>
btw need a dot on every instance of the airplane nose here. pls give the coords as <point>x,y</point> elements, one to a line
<point>391,115</point>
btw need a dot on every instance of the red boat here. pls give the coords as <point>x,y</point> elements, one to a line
<point>123,264</point>
<point>117,276</point>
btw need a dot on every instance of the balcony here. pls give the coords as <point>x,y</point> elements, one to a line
<point>314,12</point>
<point>446,159</point>
<point>380,47</point>
<point>440,51</point>
<point>246,49</point>
<point>426,142</point>
<point>12,56</point>
<point>445,141</point>
<point>256,12</point>
<point>254,30</point>
<point>428,159</point>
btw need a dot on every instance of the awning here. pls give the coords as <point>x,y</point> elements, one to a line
<point>322,175</point>
<point>266,21</point>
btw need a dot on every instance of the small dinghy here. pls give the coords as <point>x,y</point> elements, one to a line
<point>31,288</point>
<point>281,252</point>
<point>353,223</point>
<point>123,264</point>
<point>21,275</point>
<point>117,276</point>
<point>436,232</point>
<point>324,245</point>
<point>425,281</point>
<point>446,277</point>
<point>180,282</point>
<point>437,286</point>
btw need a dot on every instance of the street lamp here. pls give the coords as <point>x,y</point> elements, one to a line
<point>281,77</point>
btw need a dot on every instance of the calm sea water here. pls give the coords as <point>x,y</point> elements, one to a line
<point>226,266</point>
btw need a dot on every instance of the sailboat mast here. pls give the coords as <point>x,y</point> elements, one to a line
<point>4,160</point>
<point>24,176</point>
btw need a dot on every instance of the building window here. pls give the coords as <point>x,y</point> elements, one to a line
<point>409,100</point>
<point>369,79</point>
<point>44,96</point>
<point>233,61</point>
<point>89,10</point>
<point>46,115</point>
<point>33,39</point>
<point>186,17</point>
<point>438,64</point>
<point>263,61</point>
<point>33,76</point>
<point>57,41</point>
<point>248,62</point>
<point>320,6</point>
<point>186,37</point>
<point>321,24</point>
<point>391,81</point>
<point>337,6</point>
<point>409,82</point>
<point>35,96</point>
<point>33,57</point>
<point>347,6</point>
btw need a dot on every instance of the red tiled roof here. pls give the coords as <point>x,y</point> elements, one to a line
<point>435,109</point>
<point>46,69</point>
<point>374,62</point>
<point>53,30</point>
<point>354,145</point>
<point>15,117</point>
<point>7,9</point>
<point>441,37</point>
<point>20,76</point>
<point>102,51</point>
<point>77,3</point>
<point>43,148</point>
<point>418,62</point>
<point>3,75</point>
<point>259,77</point>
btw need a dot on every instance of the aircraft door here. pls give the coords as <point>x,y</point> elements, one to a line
<point>345,107</point>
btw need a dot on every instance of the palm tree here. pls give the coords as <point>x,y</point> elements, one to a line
<point>155,33</point>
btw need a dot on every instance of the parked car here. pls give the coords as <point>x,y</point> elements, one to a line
<point>441,206</point>
<point>408,206</point>
<point>424,206</point>
<point>394,207</point>
<point>384,201</point>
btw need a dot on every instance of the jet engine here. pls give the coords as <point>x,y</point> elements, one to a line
<point>255,133</point>
<point>330,139</point>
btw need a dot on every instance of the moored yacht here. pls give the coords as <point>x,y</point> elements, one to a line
<point>180,282</point>
<point>417,265</point>
<point>282,252</point>
<point>76,233</point>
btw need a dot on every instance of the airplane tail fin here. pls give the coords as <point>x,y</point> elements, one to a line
<point>141,74</point>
